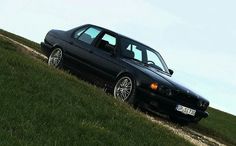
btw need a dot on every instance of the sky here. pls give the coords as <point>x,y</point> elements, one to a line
<point>195,38</point>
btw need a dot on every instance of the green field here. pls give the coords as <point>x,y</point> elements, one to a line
<point>34,80</point>
<point>44,106</point>
<point>22,40</point>
<point>220,125</point>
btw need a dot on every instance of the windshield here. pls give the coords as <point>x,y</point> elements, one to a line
<point>137,51</point>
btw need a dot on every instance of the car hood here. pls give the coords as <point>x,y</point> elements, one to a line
<point>165,79</point>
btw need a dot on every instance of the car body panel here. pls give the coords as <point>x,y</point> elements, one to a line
<point>106,67</point>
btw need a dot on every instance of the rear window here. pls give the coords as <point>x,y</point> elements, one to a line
<point>79,32</point>
<point>89,35</point>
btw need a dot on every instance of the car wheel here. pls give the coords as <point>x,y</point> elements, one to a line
<point>124,89</point>
<point>55,58</point>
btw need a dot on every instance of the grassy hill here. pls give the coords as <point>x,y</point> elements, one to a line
<point>20,39</point>
<point>66,105</point>
<point>220,125</point>
<point>44,106</point>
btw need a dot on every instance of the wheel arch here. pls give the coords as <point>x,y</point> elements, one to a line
<point>57,46</point>
<point>139,77</point>
<point>127,73</point>
<point>52,48</point>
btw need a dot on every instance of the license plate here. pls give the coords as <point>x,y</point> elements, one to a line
<point>186,110</point>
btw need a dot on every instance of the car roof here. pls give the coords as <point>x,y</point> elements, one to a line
<point>119,35</point>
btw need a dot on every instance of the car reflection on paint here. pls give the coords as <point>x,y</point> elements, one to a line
<point>132,71</point>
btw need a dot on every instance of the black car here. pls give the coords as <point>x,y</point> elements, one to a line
<point>132,71</point>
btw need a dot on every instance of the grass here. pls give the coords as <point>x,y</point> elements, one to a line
<point>43,106</point>
<point>219,125</point>
<point>22,40</point>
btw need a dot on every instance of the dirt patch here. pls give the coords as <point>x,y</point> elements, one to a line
<point>188,134</point>
<point>26,49</point>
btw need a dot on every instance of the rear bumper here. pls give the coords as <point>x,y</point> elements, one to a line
<point>46,48</point>
<point>159,104</point>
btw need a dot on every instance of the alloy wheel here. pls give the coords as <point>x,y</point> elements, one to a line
<point>55,57</point>
<point>123,88</point>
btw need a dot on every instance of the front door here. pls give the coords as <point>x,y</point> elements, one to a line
<point>79,50</point>
<point>105,61</point>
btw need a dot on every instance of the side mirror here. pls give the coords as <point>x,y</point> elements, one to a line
<point>171,71</point>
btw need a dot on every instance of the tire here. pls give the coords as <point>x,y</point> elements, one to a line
<point>56,58</point>
<point>124,89</point>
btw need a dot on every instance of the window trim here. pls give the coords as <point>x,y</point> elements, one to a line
<point>145,56</point>
<point>86,28</point>
<point>99,38</point>
<point>93,27</point>
<point>73,33</point>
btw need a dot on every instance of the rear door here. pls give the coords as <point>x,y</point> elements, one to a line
<point>79,50</point>
<point>104,59</point>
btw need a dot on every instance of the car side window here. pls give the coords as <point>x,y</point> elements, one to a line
<point>153,57</point>
<point>137,52</point>
<point>79,32</point>
<point>89,35</point>
<point>107,43</point>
